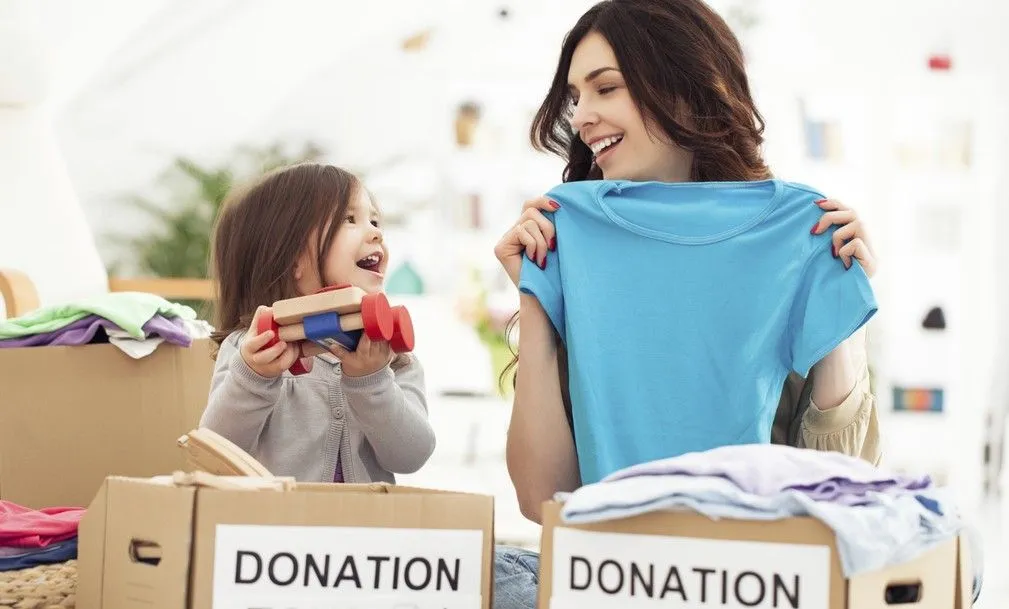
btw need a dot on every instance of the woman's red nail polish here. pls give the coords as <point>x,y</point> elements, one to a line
<point>553,243</point>
<point>812,231</point>
<point>833,250</point>
<point>820,201</point>
<point>543,265</point>
<point>555,204</point>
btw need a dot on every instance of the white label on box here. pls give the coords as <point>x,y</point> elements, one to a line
<point>602,570</point>
<point>324,567</point>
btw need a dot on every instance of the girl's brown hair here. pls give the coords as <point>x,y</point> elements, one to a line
<point>264,229</point>
<point>677,57</point>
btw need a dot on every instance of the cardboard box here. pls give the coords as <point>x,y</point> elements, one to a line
<point>164,546</point>
<point>72,415</point>
<point>685,559</point>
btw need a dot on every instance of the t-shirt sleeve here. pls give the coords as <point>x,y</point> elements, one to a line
<point>830,305</point>
<point>545,285</point>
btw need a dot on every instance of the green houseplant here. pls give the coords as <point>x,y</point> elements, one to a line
<point>184,207</point>
<point>491,324</point>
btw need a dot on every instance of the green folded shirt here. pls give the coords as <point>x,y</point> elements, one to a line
<point>128,310</point>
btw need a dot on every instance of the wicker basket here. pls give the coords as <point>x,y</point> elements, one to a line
<point>44,587</point>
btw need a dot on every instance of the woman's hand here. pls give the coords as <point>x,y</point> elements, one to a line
<point>531,235</point>
<point>368,358</point>
<point>850,240</point>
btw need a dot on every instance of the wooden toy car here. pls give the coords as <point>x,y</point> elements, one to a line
<point>337,314</point>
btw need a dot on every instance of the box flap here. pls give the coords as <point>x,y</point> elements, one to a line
<point>91,551</point>
<point>402,489</point>
<point>148,544</point>
<point>964,575</point>
<point>377,487</point>
<point>329,487</point>
<point>931,575</point>
<point>208,451</point>
<point>929,579</point>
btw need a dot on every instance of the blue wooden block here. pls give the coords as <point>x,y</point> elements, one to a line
<point>324,330</point>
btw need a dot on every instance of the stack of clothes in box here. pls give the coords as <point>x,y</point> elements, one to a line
<point>879,518</point>
<point>135,322</point>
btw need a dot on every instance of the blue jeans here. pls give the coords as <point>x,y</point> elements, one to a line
<point>517,574</point>
<point>516,578</point>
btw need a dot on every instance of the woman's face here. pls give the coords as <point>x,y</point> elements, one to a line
<point>608,121</point>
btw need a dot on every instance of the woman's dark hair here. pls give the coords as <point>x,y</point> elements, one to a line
<point>264,229</point>
<point>680,60</point>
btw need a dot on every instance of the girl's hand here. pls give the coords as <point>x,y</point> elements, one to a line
<point>850,240</point>
<point>272,361</point>
<point>531,235</point>
<point>369,358</point>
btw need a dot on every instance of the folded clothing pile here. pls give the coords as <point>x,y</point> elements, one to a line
<point>879,518</point>
<point>30,538</point>
<point>135,322</point>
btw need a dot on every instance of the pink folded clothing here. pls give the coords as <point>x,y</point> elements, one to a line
<point>22,527</point>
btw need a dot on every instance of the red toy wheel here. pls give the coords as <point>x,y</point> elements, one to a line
<point>377,317</point>
<point>402,337</point>
<point>267,322</point>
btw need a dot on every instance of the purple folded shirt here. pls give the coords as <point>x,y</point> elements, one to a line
<point>91,329</point>
<point>768,469</point>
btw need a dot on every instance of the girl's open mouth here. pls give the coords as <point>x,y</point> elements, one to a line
<point>371,262</point>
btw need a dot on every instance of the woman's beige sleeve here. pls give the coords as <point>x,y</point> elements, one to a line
<point>851,428</point>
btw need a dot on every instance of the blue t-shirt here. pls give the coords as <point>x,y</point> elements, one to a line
<point>683,306</point>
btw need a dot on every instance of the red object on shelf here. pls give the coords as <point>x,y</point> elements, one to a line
<point>940,62</point>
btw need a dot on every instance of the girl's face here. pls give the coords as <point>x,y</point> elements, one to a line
<point>608,121</point>
<point>357,254</point>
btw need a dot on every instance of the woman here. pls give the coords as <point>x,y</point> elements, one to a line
<point>654,90</point>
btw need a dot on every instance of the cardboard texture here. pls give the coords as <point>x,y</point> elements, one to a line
<point>163,545</point>
<point>72,415</point>
<point>662,558</point>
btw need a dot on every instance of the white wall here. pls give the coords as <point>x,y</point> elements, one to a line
<point>135,83</point>
<point>43,230</point>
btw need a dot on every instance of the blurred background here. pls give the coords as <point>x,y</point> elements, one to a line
<point>124,122</point>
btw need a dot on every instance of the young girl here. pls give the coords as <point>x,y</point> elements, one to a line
<point>356,416</point>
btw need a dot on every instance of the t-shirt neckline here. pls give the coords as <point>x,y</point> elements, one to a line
<point>618,186</point>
